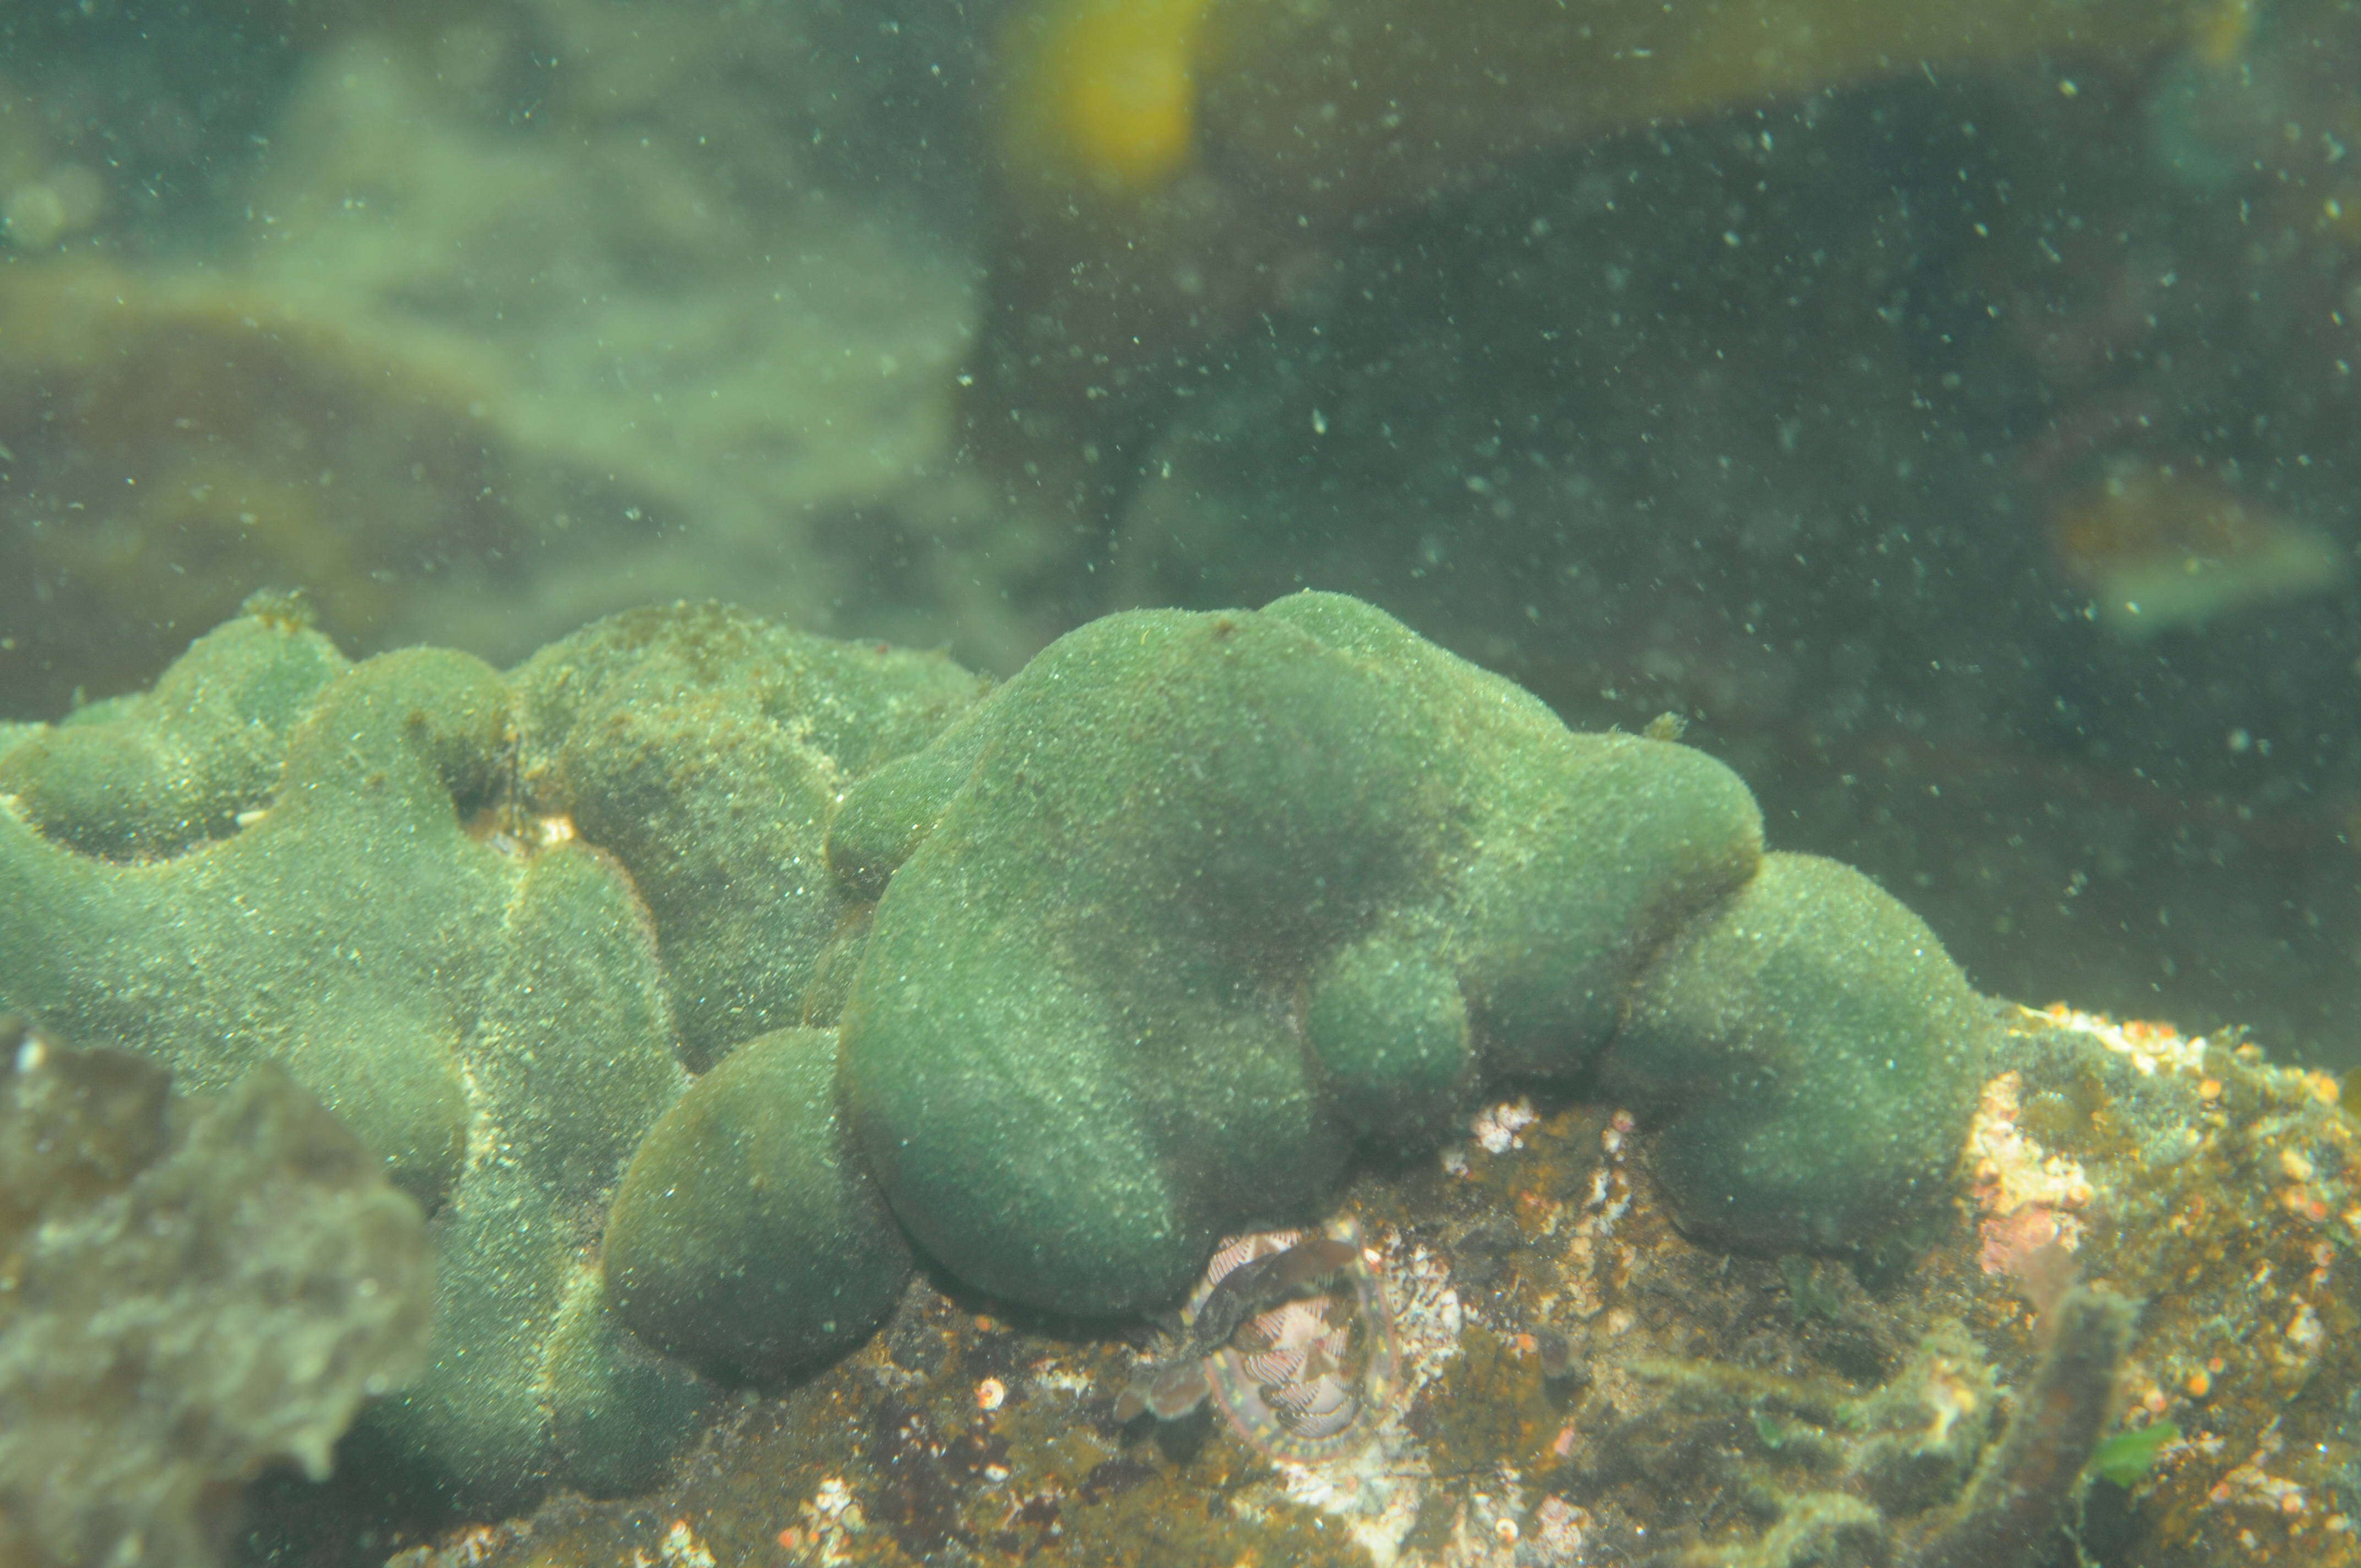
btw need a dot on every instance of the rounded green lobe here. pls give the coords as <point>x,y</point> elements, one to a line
<point>1207,899</point>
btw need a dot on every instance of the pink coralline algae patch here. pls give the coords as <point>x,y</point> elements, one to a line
<point>2028,1198</point>
<point>2035,1245</point>
<point>1311,1379</point>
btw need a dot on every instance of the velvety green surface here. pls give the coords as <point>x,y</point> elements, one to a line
<point>706,749</point>
<point>149,774</point>
<point>1815,1054</point>
<point>493,1025</point>
<point>1055,984</point>
<point>747,1235</point>
<point>1208,898</point>
<point>332,867</point>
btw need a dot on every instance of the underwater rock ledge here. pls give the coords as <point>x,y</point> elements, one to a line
<point>1054,985</point>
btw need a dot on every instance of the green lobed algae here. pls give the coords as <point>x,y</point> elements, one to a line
<point>1195,903</point>
<point>1138,949</point>
<point>1815,1054</point>
<point>147,775</point>
<point>744,1237</point>
<point>472,987</point>
<point>492,1024</point>
<point>1696,1414</point>
<point>706,749</point>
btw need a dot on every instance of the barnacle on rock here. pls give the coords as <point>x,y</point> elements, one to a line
<point>1311,1377</point>
<point>1300,1358</point>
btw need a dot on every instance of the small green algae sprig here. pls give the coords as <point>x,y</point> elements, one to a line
<point>2131,1453</point>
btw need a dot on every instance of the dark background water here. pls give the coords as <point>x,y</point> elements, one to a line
<point>1840,423</point>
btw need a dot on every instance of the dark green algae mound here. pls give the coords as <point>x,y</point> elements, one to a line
<point>1059,983</point>
<point>1195,904</point>
<point>408,912</point>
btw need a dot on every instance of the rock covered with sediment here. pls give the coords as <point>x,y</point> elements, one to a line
<point>195,1289</point>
